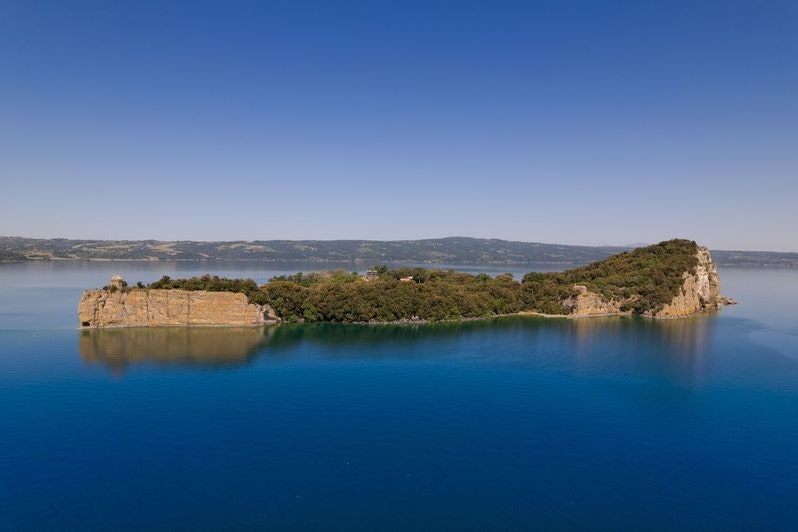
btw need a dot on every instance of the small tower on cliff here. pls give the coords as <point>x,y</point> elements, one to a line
<point>118,282</point>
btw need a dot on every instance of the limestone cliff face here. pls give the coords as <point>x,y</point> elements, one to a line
<point>150,308</point>
<point>700,290</point>
<point>587,303</point>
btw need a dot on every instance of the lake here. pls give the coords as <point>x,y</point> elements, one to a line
<point>513,423</point>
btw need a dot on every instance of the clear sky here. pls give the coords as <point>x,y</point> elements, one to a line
<point>565,121</point>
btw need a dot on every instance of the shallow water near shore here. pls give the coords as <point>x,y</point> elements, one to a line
<point>510,423</point>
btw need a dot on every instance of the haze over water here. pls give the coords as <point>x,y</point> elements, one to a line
<point>511,423</point>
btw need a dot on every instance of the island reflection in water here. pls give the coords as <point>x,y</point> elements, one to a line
<point>180,346</point>
<point>675,349</point>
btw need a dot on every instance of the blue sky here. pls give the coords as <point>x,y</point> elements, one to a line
<point>573,122</point>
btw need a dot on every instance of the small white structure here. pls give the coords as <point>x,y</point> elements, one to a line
<point>118,282</point>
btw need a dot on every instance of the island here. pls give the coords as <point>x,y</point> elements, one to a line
<point>672,279</point>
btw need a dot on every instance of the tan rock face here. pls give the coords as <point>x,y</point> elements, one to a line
<point>149,308</point>
<point>700,290</point>
<point>587,303</point>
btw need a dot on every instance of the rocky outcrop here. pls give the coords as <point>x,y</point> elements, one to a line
<point>141,307</point>
<point>587,303</point>
<point>700,290</point>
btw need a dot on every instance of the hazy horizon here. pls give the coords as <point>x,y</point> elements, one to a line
<point>624,245</point>
<point>580,123</point>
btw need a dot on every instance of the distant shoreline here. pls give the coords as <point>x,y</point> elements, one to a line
<point>364,262</point>
<point>460,251</point>
<point>357,263</point>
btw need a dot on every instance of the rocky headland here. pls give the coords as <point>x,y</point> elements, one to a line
<point>120,306</point>
<point>699,292</point>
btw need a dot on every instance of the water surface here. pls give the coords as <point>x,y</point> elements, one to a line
<point>513,423</point>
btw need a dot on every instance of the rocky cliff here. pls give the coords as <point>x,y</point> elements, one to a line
<point>699,292</point>
<point>124,307</point>
<point>587,303</point>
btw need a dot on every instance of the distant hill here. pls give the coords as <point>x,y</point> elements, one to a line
<point>755,258</point>
<point>10,256</point>
<point>451,250</point>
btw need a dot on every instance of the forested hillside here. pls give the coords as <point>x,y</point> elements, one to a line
<point>643,280</point>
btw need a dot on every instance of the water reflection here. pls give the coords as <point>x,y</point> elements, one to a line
<point>188,346</point>
<point>674,349</point>
<point>677,349</point>
<point>353,337</point>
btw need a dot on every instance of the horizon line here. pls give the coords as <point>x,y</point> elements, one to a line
<point>622,246</point>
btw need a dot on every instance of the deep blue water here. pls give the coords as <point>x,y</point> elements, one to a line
<point>509,424</point>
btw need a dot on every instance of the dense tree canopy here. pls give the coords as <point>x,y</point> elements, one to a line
<point>432,295</point>
<point>213,283</point>
<point>643,280</point>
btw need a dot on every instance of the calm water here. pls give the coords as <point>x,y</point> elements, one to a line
<point>509,424</point>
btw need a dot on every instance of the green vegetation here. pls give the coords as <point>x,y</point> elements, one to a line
<point>643,280</point>
<point>313,278</point>
<point>432,295</point>
<point>213,283</point>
